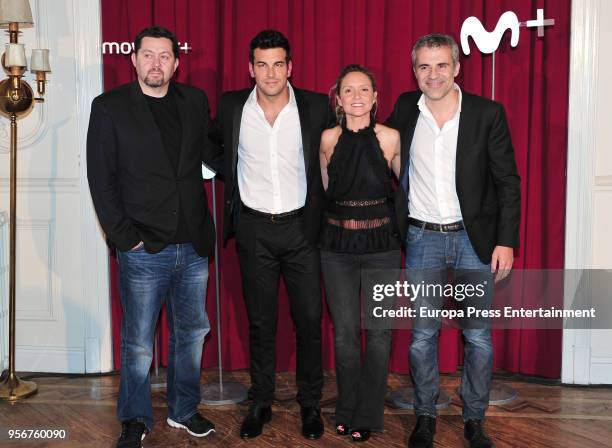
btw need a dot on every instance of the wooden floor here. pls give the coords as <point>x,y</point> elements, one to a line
<point>542,416</point>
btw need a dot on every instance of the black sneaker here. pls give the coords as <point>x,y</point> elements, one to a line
<point>132,434</point>
<point>196,425</point>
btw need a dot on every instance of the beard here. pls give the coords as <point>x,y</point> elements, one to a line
<point>154,82</point>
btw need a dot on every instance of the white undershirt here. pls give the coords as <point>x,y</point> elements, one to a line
<point>433,154</point>
<point>271,174</point>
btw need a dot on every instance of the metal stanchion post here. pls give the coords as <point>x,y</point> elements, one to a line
<point>500,393</point>
<point>404,399</point>
<point>229,392</point>
<point>158,379</point>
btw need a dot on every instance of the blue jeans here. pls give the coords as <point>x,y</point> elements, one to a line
<point>429,256</point>
<point>179,276</point>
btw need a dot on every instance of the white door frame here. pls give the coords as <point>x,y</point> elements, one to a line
<point>94,252</point>
<point>581,147</point>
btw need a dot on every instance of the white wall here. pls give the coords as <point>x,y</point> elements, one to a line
<point>63,311</point>
<point>587,354</point>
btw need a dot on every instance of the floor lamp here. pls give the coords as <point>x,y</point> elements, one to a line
<point>16,101</point>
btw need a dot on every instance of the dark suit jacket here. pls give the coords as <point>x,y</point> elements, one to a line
<point>315,116</point>
<point>135,190</point>
<point>486,178</point>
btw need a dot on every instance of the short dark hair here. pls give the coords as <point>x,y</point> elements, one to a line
<point>157,32</point>
<point>436,40</point>
<point>269,39</point>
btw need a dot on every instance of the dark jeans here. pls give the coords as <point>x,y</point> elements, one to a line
<point>429,254</point>
<point>178,275</point>
<point>266,250</point>
<point>362,383</point>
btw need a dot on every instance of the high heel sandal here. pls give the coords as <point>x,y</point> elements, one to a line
<point>342,429</point>
<point>360,435</point>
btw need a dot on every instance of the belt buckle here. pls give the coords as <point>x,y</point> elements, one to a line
<point>442,228</point>
<point>272,218</point>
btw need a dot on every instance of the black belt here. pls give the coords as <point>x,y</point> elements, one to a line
<point>451,227</point>
<point>272,216</point>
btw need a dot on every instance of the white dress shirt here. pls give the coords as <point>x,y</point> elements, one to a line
<point>270,172</point>
<point>433,195</point>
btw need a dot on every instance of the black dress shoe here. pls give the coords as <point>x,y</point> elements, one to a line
<point>253,423</point>
<point>476,435</point>
<point>312,425</point>
<point>423,433</point>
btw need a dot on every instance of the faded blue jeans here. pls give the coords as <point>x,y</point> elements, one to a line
<point>179,276</point>
<point>429,257</point>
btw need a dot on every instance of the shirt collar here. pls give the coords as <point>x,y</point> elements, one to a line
<point>252,99</point>
<point>423,105</point>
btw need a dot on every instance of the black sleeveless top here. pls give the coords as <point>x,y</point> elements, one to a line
<point>359,215</point>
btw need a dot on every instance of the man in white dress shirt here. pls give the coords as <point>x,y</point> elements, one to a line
<point>273,200</point>
<point>458,208</point>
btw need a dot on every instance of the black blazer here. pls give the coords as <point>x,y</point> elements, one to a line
<point>486,178</point>
<point>135,190</point>
<point>315,116</point>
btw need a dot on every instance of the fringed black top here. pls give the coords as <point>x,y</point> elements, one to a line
<point>359,215</point>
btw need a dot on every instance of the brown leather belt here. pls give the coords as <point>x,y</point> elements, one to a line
<point>450,227</point>
<point>273,217</point>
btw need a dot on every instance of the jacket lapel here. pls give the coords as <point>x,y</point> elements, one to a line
<point>466,122</point>
<point>236,120</point>
<point>304,113</point>
<point>407,135</point>
<point>186,115</point>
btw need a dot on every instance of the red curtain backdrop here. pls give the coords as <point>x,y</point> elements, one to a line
<point>531,81</point>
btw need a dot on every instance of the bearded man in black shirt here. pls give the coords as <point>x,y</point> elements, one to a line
<point>145,145</point>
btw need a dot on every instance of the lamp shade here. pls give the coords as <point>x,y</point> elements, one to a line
<point>40,60</point>
<point>15,11</point>
<point>15,55</point>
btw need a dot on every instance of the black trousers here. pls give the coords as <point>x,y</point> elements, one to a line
<point>266,250</point>
<point>362,382</point>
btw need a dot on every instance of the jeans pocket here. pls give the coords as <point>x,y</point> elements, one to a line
<point>414,234</point>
